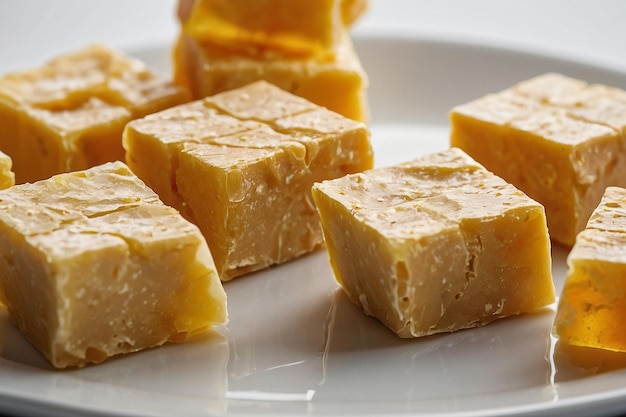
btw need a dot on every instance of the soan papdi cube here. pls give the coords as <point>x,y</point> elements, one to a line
<point>69,114</point>
<point>560,140</point>
<point>279,27</point>
<point>592,305</point>
<point>94,265</point>
<point>226,44</point>
<point>241,164</point>
<point>436,244</point>
<point>340,84</point>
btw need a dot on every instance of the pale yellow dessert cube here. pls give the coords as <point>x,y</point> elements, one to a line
<point>560,140</point>
<point>279,27</point>
<point>592,305</point>
<point>69,114</point>
<point>95,265</point>
<point>436,244</point>
<point>241,164</point>
<point>340,84</point>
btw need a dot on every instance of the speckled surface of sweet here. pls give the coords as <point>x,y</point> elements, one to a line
<point>69,114</point>
<point>436,244</point>
<point>240,164</point>
<point>560,140</point>
<point>95,265</point>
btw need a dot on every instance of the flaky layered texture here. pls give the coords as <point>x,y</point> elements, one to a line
<point>282,28</point>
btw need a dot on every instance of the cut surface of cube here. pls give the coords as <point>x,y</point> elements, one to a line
<point>280,27</point>
<point>95,265</point>
<point>240,164</point>
<point>340,85</point>
<point>69,114</point>
<point>592,303</point>
<point>436,244</point>
<point>560,140</point>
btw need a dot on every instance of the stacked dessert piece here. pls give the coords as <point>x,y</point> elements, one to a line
<point>303,47</point>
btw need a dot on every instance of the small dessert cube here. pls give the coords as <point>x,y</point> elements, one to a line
<point>69,114</point>
<point>284,27</point>
<point>436,244</point>
<point>339,84</point>
<point>94,265</point>
<point>560,140</point>
<point>241,164</point>
<point>592,305</point>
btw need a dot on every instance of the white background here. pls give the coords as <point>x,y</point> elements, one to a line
<point>589,30</point>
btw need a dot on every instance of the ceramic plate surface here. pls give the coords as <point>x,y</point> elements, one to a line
<point>295,345</point>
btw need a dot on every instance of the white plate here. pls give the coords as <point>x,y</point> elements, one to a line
<point>296,346</point>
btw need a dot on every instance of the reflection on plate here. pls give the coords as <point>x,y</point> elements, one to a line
<point>295,345</point>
